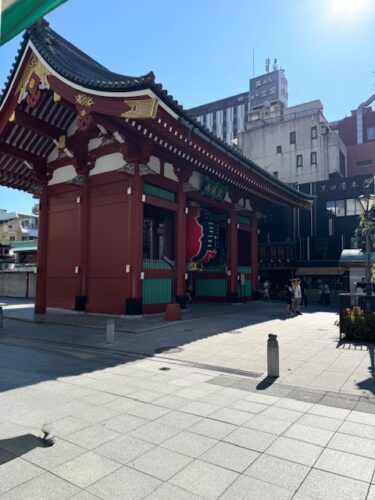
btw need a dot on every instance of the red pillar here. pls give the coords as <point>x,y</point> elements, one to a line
<point>41,276</point>
<point>232,294</point>
<point>180,246</point>
<point>254,252</point>
<point>81,299</point>
<point>135,239</point>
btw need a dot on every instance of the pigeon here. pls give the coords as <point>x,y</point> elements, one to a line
<point>48,439</point>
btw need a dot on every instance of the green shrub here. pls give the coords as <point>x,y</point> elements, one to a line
<point>358,324</point>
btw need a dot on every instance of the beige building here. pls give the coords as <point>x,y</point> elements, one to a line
<point>15,226</point>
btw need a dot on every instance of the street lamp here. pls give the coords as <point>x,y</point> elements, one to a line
<point>367,201</point>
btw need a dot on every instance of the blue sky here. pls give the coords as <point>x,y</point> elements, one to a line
<point>202,50</point>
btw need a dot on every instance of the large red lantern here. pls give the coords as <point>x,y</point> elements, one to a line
<point>202,236</point>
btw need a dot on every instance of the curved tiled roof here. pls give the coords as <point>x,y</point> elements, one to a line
<point>77,67</point>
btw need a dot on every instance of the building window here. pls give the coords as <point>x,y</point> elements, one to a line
<point>331,207</point>
<point>214,122</point>
<point>353,207</point>
<point>292,137</point>
<point>364,163</point>
<point>12,238</point>
<point>278,149</point>
<point>276,174</point>
<point>371,133</point>
<point>299,161</point>
<point>235,129</point>
<point>205,120</point>
<point>313,159</point>
<point>340,208</point>
<point>314,132</point>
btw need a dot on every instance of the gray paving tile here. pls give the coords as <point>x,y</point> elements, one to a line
<point>212,428</point>
<point>353,444</point>
<point>231,416</point>
<point>199,408</point>
<point>178,419</point>
<point>365,407</point>
<point>15,472</point>
<point>124,483</point>
<point>44,487</point>
<point>171,492</point>
<point>282,391</point>
<point>171,401</point>
<point>371,493</point>
<point>48,458</point>
<point>219,398</point>
<point>230,456</point>
<point>124,449</point>
<point>261,398</point>
<point>361,418</point>
<point>250,438</point>
<point>124,423</point>
<point>328,411</point>
<point>282,414</point>
<point>86,469</point>
<point>189,444</point>
<point>248,406</point>
<point>93,436</point>
<point>153,432</point>
<point>292,404</point>
<point>204,479</point>
<point>360,430</point>
<point>326,486</point>
<point>312,435</point>
<point>249,488</point>
<point>339,401</point>
<point>85,495</point>
<point>101,398</point>
<point>68,425</point>
<point>267,424</point>
<point>278,471</point>
<point>161,463</point>
<point>307,395</point>
<point>222,380</point>
<point>330,424</point>
<point>146,410</point>
<point>296,451</point>
<point>346,464</point>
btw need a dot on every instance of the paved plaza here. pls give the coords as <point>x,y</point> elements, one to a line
<point>185,410</point>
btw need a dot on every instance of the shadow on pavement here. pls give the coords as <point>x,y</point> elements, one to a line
<point>17,446</point>
<point>266,383</point>
<point>369,383</point>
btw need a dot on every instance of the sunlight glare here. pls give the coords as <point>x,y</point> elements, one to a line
<point>349,8</point>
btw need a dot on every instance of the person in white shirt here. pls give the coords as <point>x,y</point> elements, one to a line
<point>297,296</point>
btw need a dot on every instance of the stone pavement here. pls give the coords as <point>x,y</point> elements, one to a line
<point>154,428</point>
<point>231,338</point>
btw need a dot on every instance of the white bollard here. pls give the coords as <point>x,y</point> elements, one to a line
<point>110,331</point>
<point>273,356</point>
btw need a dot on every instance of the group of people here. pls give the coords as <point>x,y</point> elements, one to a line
<point>295,292</point>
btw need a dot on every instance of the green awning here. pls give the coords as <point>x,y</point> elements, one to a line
<point>17,15</point>
<point>355,256</point>
<point>25,246</point>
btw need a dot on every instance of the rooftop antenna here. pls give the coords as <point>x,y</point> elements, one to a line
<point>274,66</point>
<point>268,62</point>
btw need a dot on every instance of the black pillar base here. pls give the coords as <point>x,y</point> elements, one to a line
<point>181,299</point>
<point>133,307</point>
<point>80,302</point>
<point>232,297</point>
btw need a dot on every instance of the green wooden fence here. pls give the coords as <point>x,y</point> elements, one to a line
<point>157,291</point>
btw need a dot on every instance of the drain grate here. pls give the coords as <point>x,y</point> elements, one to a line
<point>164,369</point>
<point>168,348</point>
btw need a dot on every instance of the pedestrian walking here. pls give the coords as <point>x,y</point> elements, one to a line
<point>289,300</point>
<point>320,293</point>
<point>304,292</point>
<point>266,291</point>
<point>297,296</point>
<point>327,295</point>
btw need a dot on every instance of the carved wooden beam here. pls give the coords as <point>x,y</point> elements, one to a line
<point>36,125</point>
<point>20,154</point>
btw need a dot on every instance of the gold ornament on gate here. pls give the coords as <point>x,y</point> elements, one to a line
<point>84,100</point>
<point>141,108</point>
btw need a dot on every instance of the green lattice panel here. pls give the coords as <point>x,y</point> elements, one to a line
<point>247,289</point>
<point>159,192</point>
<point>211,287</point>
<point>244,220</point>
<point>157,291</point>
<point>244,269</point>
<point>155,264</point>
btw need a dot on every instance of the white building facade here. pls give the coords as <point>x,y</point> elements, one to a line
<point>295,144</point>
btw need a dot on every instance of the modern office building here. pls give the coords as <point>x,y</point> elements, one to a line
<point>358,133</point>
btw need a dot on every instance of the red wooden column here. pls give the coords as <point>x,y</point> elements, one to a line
<point>183,172</point>
<point>133,304</point>
<point>232,294</point>
<point>41,275</point>
<point>180,246</point>
<point>254,252</point>
<point>83,164</point>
